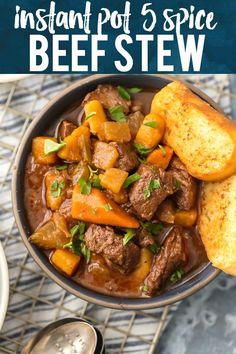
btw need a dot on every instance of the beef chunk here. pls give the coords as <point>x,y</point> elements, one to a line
<point>135,120</point>
<point>120,198</point>
<point>104,241</point>
<point>166,212</point>
<point>65,210</point>
<point>145,239</point>
<point>77,170</point>
<point>186,195</point>
<point>128,207</point>
<point>167,261</point>
<point>109,97</point>
<point>66,128</point>
<point>147,206</point>
<point>128,158</point>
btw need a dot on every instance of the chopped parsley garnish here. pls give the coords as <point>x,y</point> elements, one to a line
<point>68,245</point>
<point>143,161</point>
<point>131,179</point>
<point>117,113</point>
<point>85,186</point>
<point>81,237</point>
<point>61,168</point>
<point>142,150</point>
<point>151,124</point>
<point>154,248</point>
<point>153,184</point>
<point>153,228</point>
<point>51,146</point>
<point>56,188</point>
<point>90,115</point>
<point>92,172</point>
<point>134,90</point>
<point>86,252</point>
<point>145,288</point>
<point>96,182</point>
<point>130,233</point>
<point>163,150</point>
<point>54,185</point>
<point>94,178</point>
<point>107,207</point>
<point>177,183</point>
<point>78,228</point>
<point>77,244</point>
<point>146,193</point>
<point>123,93</point>
<point>176,276</point>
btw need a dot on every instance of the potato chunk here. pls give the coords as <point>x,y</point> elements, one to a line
<point>66,261</point>
<point>53,234</point>
<point>94,116</point>
<point>143,268</point>
<point>72,149</point>
<point>38,151</point>
<point>166,211</point>
<point>55,190</point>
<point>115,131</point>
<point>105,155</point>
<point>113,179</point>
<point>151,131</point>
<point>186,218</point>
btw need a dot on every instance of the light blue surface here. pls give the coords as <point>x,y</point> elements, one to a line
<point>205,323</point>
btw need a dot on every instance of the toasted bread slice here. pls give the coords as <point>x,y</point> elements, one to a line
<point>217,223</point>
<point>204,139</point>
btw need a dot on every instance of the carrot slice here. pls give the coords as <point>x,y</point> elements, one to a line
<point>161,156</point>
<point>99,209</point>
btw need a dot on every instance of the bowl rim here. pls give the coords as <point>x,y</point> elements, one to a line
<point>83,293</point>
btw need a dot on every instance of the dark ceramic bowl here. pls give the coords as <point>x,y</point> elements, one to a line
<point>40,124</point>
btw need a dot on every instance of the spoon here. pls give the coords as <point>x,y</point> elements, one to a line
<point>67,336</point>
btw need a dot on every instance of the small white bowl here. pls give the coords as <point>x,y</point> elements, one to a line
<point>4,286</point>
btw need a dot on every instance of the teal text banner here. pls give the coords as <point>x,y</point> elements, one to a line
<point>106,36</point>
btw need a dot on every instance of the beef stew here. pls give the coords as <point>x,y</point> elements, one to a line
<point>98,194</point>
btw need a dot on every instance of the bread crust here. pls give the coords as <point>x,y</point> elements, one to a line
<point>203,138</point>
<point>217,223</point>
